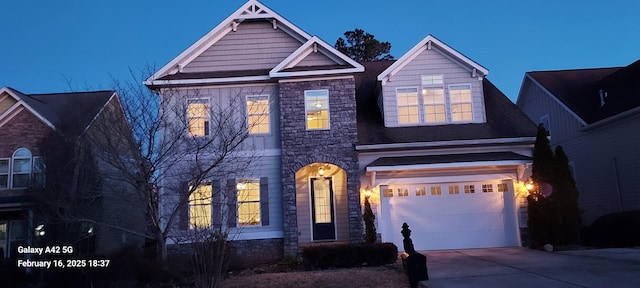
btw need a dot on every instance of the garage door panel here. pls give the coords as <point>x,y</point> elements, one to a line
<point>447,221</point>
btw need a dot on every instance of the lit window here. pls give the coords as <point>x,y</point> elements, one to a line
<point>454,189</point>
<point>200,207</point>
<point>503,187</point>
<point>248,202</point>
<point>21,168</point>
<point>469,189</point>
<point>421,191</point>
<point>461,108</point>
<point>258,114</point>
<point>434,109</point>
<point>487,188</point>
<point>403,192</point>
<point>4,173</point>
<point>198,117</point>
<point>436,190</point>
<point>408,105</point>
<point>386,192</point>
<point>317,109</point>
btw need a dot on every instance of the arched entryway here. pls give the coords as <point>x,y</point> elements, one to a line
<point>322,204</point>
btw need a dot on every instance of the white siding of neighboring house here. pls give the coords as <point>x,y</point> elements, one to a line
<point>606,162</point>
<point>431,62</point>
<point>594,154</point>
<point>237,50</point>
<point>536,103</point>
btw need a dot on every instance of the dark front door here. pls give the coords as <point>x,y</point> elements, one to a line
<point>324,227</point>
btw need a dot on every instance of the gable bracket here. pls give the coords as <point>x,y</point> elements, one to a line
<point>275,24</point>
<point>234,26</point>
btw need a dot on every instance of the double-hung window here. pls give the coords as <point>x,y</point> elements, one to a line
<point>198,117</point>
<point>248,202</point>
<point>258,114</point>
<point>408,106</point>
<point>317,109</point>
<point>433,99</point>
<point>21,168</point>
<point>200,201</point>
<point>4,173</point>
<point>461,107</point>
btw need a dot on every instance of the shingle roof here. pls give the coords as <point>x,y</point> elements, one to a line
<point>448,158</point>
<point>580,89</point>
<point>504,118</point>
<point>72,112</point>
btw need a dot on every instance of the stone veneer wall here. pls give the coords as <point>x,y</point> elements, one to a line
<point>242,253</point>
<point>301,147</point>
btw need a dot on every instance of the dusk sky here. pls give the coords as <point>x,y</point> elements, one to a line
<point>64,45</point>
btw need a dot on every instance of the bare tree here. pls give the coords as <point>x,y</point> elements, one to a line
<point>172,151</point>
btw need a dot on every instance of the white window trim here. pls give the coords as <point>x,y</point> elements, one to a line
<point>197,100</point>
<point>450,103</point>
<point>547,119</point>
<point>11,172</point>
<point>8,174</point>
<point>418,104</point>
<point>268,115</point>
<point>306,111</point>
<point>238,201</point>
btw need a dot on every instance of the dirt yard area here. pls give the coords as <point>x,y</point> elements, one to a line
<point>369,277</point>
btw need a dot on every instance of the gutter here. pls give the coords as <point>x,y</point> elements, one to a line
<point>435,144</point>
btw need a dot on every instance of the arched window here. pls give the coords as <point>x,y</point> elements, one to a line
<point>21,168</point>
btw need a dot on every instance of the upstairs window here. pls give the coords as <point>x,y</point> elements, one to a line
<point>200,202</point>
<point>258,114</point>
<point>198,117</point>
<point>21,168</point>
<point>4,173</point>
<point>408,105</point>
<point>461,108</point>
<point>317,109</point>
<point>248,202</point>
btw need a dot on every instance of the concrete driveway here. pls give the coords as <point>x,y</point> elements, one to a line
<point>523,267</point>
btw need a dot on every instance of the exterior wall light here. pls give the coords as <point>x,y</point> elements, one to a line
<point>40,230</point>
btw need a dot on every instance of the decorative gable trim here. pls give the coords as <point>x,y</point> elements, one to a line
<point>554,98</point>
<point>253,9</point>
<point>8,115</point>
<point>314,45</point>
<point>427,43</point>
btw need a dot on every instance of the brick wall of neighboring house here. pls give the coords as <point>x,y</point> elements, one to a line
<point>301,147</point>
<point>24,130</point>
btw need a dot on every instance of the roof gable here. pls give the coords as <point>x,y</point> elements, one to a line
<point>577,90</point>
<point>504,119</point>
<point>251,10</point>
<point>70,113</point>
<point>428,43</point>
<point>334,61</point>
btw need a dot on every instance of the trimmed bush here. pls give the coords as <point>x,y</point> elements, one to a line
<point>615,230</point>
<point>349,255</point>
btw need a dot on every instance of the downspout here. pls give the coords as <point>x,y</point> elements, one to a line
<point>617,182</point>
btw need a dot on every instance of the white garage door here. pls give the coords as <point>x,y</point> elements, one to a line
<point>450,215</point>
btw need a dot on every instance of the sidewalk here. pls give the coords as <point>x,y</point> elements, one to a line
<point>523,267</point>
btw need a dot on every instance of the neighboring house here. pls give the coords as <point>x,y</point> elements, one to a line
<point>29,125</point>
<point>465,157</point>
<point>594,114</point>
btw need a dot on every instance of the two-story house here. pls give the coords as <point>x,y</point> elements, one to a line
<point>594,115</point>
<point>28,125</point>
<point>442,147</point>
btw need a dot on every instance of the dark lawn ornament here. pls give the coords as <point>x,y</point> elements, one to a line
<point>414,263</point>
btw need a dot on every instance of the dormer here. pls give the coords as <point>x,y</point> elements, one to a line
<point>432,84</point>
